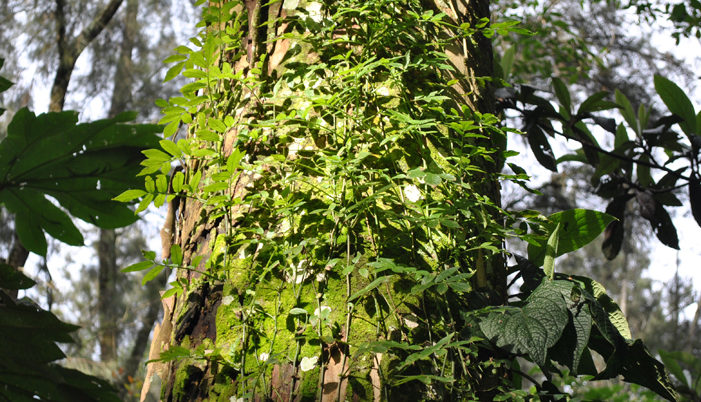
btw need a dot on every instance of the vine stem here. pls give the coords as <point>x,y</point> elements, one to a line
<point>349,306</point>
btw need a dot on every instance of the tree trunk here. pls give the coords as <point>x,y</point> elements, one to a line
<point>108,298</point>
<point>326,260</point>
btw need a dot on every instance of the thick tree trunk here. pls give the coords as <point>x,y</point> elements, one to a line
<point>269,356</point>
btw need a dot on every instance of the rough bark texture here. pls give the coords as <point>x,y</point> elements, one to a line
<point>199,317</point>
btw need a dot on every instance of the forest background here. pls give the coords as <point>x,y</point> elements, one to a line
<point>587,45</point>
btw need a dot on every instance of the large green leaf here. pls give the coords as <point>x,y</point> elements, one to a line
<point>82,166</point>
<point>565,318</point>
<point>578,227</point>
<point>29,350</point>
<point>595,293</point>
<point>534,328</point>
<point>677,102</point>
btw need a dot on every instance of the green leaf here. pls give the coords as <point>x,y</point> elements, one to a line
<point>695,197</point>
<point>507,61</point>
<point>298,311</point>
<point>677,102</point>
<point>627,111</point>
<point>176,254</point>
<point>563,94</point>
<point>432,179</point>
<point>175,352</point>
<point>129,195</point>
<point>139,266</point>
<point>152,274</point>
<point>10,278</point>
<point>170,147</point>
<point>174,71</point>
<point>372,285</point>
<point>578,227</point>
<point>178,181</point>
<point>534,328</point>
<point>541,148</point>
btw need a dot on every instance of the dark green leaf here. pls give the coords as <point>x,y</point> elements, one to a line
<point>536,327</point>
<point>695,197</point>
<point>563,94</point>
<point>613,236</point>
<point>595,103</point>
<point>541,148</point>
<point>82,166</point>
<point>627,111</point>
<point>10,278</point>
<point>662,224</point>
<point>672,364</point>
<point>5,84</point>
<point>677,102</point>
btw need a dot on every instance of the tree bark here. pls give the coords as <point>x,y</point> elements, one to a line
<point>201,319</point>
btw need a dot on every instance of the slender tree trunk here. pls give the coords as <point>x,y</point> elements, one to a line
<point>221,314</point>
<point>107,297</point>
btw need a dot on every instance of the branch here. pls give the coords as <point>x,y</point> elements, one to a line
<point>96,26</point>
<point>622,157</point>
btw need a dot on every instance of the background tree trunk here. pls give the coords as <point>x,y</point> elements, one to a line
<point>200,318</point>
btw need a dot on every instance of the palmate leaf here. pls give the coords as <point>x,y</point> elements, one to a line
<point>29,350</point>
<point>82,166</point>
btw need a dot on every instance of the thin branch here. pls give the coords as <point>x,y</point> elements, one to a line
<point>622,157</point>
<point>96,26</point>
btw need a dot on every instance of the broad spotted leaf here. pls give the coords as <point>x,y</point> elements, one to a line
<point>536,327</point>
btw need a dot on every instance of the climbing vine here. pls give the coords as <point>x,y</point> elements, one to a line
<point>344,191</point>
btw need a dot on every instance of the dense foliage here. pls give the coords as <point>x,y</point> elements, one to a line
<point>359,165</point>
<point>348,193</point>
